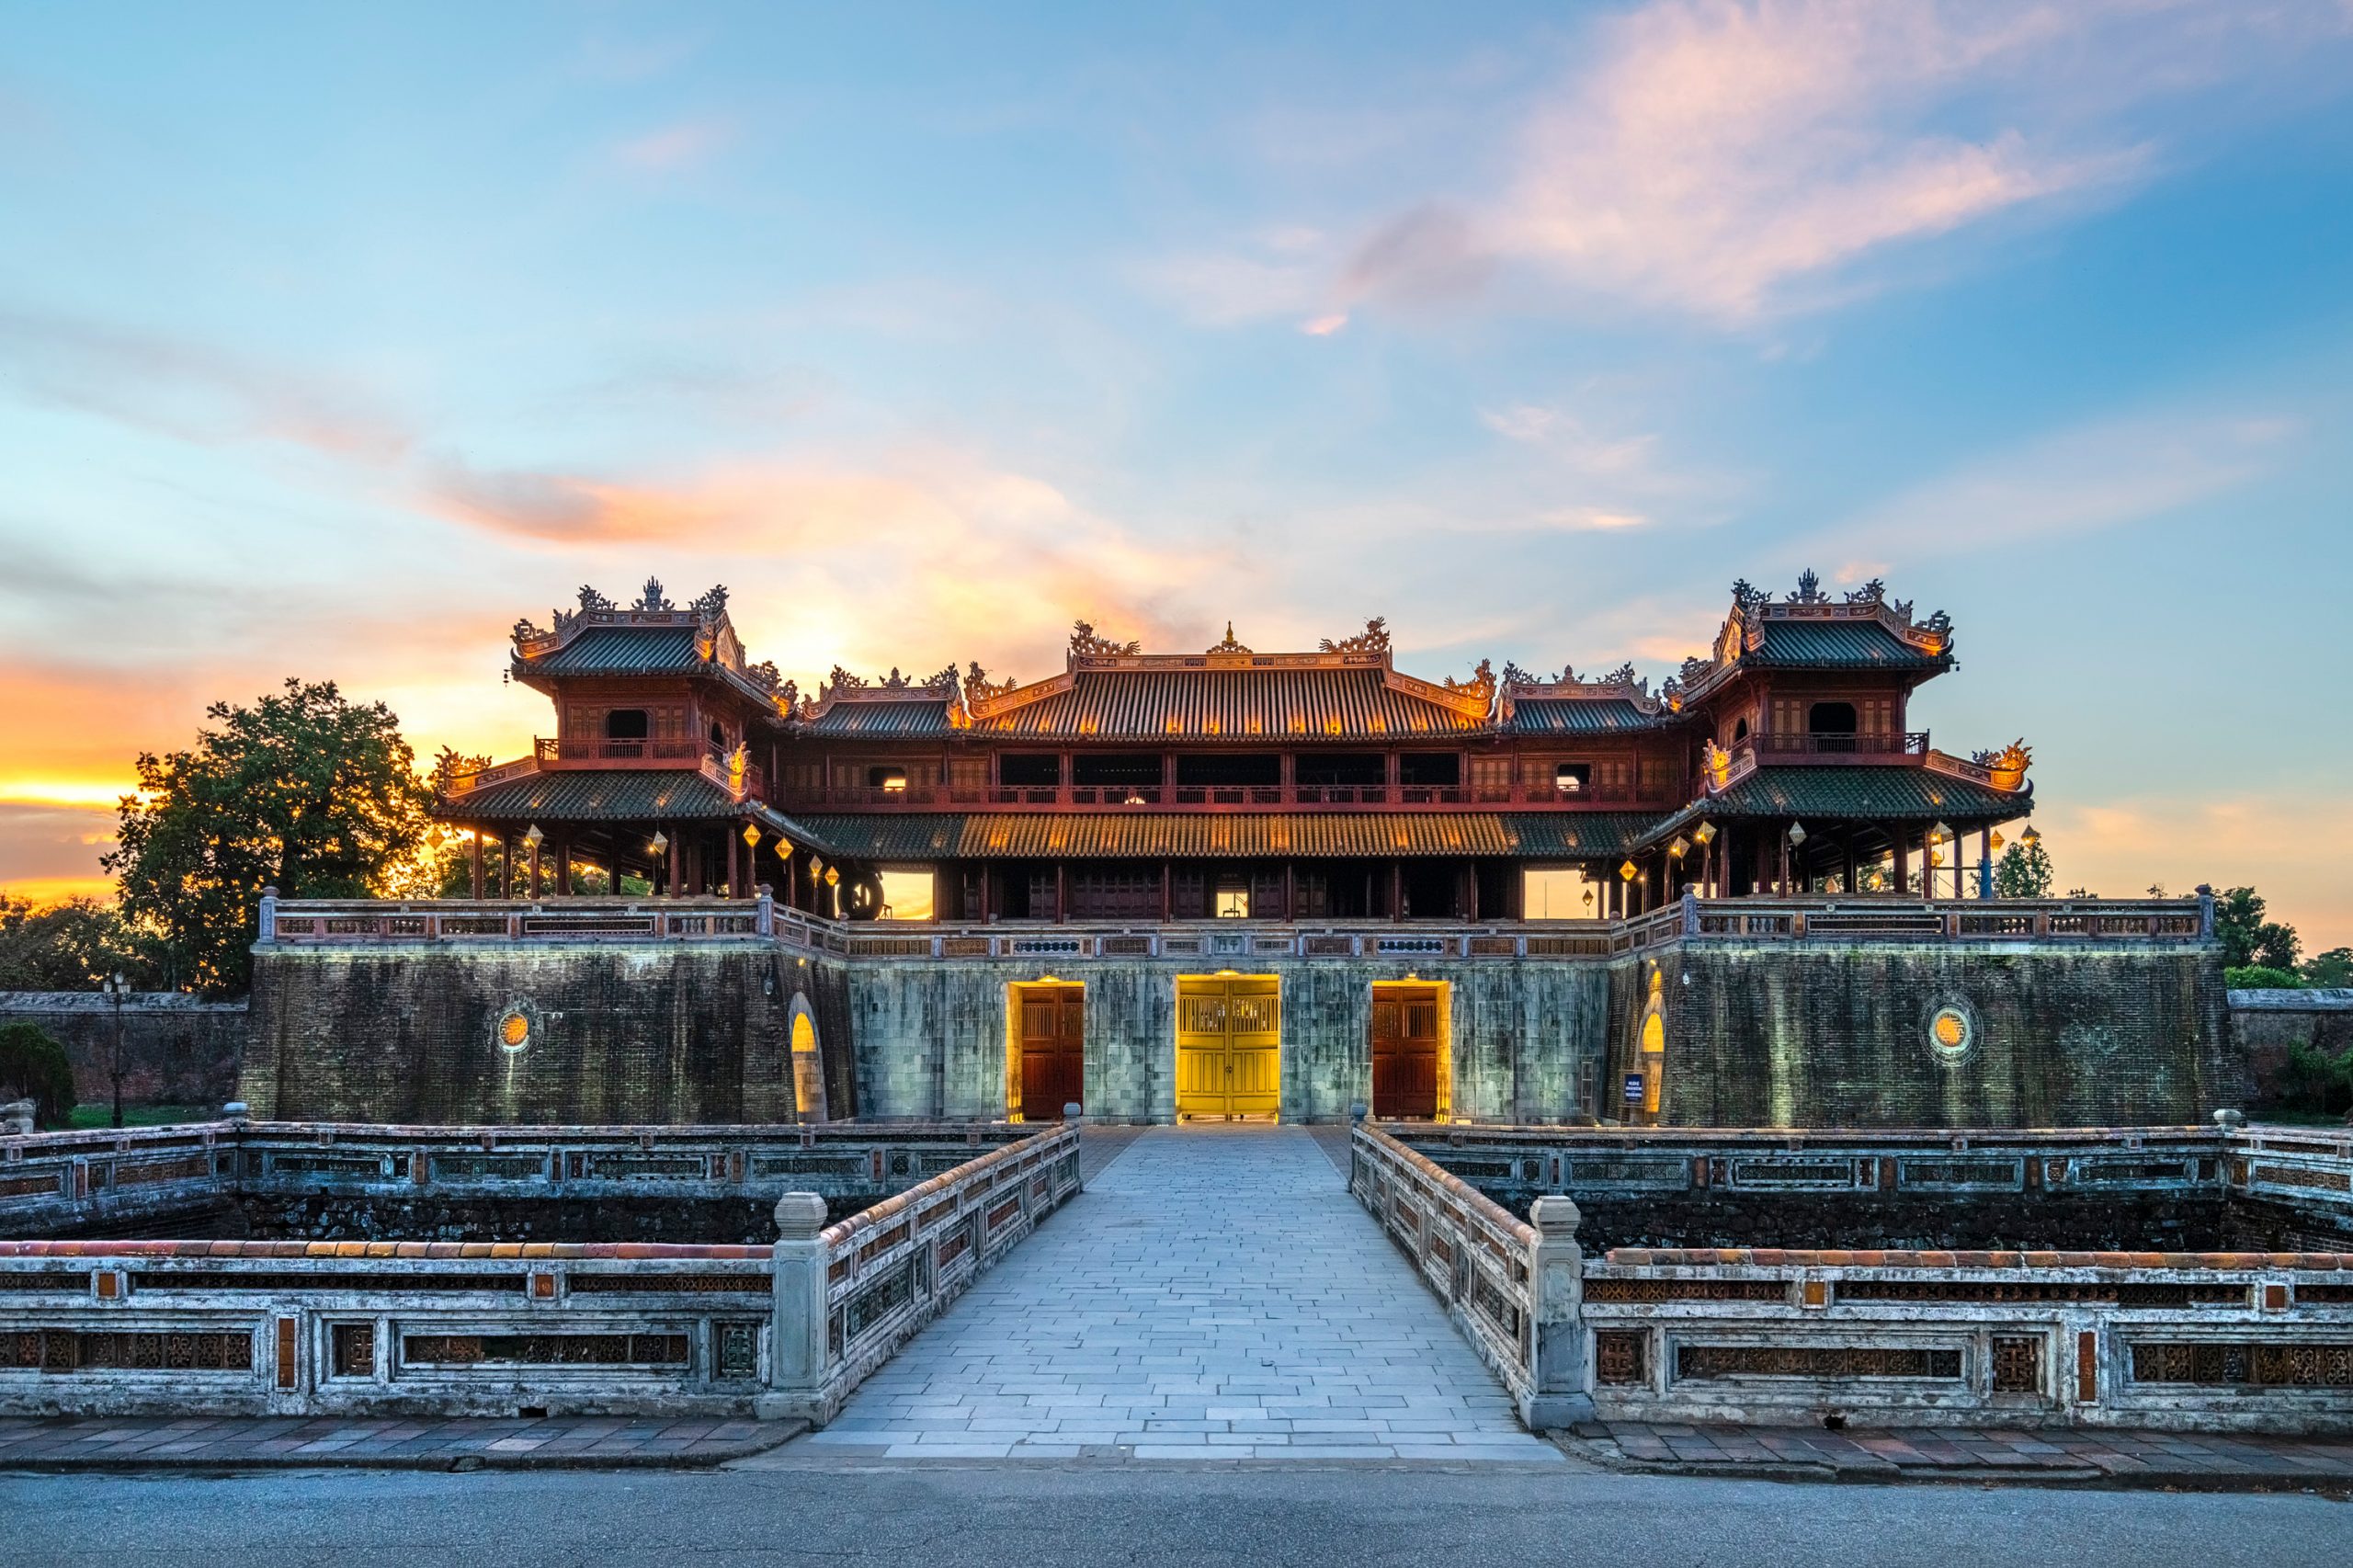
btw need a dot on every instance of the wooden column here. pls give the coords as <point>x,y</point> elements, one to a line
<point>506,864</point>
<point>1985,862</point>
<point>1470,874</point>
<point>535,872</point>
<point>1902,861</point>
<point>1396,877</point>
<point>477,865</point>
<point>1168,879</point>
<point>1783,835</point>
<point>1290,892</point>
<point>1062,892</point>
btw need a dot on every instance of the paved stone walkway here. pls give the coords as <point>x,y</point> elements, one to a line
<point>1214,1294</point>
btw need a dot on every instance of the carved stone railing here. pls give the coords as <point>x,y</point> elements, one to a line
<point>849,1295</point>
<point>2258,1340</point>
<point>1847,918</point>
<point>489,1326</point>
<point>2244,1341</point>
<point>1509,1285</point>
<point>1812,745</point>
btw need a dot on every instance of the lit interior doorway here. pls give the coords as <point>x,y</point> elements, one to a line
<point>1410,1068</point>
<point>1559,892</point>
<point>1047,1049</point>
<point>1228,1048</point>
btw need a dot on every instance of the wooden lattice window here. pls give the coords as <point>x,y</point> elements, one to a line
<point>354,1349</point>
<point>2017,1364</point>
<point>1620,1357</point>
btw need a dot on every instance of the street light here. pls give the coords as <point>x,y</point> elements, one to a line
<point>117,988</point>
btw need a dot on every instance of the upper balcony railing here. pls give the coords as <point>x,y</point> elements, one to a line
<point>1209,797</point>
<point>1814,745</point>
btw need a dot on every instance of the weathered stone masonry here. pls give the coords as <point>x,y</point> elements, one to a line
<point>1836,1031</point>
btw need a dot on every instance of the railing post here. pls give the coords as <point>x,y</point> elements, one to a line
<point>1690,913</point>
<point>797,1336</point>
<point>1561,1377</point>
<point>268,926</point>
<point>2205,910</point>
<point>766,910</point>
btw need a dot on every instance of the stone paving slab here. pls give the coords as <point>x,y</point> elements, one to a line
<point>1214,1296</point>
<point>254,1442</point>
<point>2081,1455</point>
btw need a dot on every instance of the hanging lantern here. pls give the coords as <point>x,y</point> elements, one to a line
<point>1588,901</point>
<point>1995,842</point>
<point>659,844</point>
<point>833,876</point>
<point>533,837</point>
<point>1939,834</point>
<point>783,848</point>
<point>752,835</point>
<point>1680,847</point>
<point>1704,835</point>
<point>1797,833</point>
<point>1630,870</point>
<point>2031,836</point>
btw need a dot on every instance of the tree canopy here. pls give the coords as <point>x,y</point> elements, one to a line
<point>74,945</point>
<point>34,1066</point>
<point>2248,940</point>
<point>2023,871</point>
<point>304,792</point>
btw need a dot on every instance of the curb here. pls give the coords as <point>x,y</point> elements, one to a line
<point>2087,1477</point>
<point>459,1460</point>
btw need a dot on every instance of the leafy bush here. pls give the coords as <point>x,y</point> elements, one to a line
<point>2261,977</point>
<point>33,1066</point>
<point>2314,1082</point>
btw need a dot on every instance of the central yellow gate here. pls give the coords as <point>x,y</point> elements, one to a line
<point>1229,1046</point>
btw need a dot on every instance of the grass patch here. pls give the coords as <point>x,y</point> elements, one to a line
<point>85,1117</point>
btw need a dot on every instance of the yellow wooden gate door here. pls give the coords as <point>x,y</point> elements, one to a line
<point>1229,1046</point>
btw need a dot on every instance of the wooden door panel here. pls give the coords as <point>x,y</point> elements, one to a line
<point>1404,1053</point>
<point>1229,1054</point>
<point>1053,1050</point>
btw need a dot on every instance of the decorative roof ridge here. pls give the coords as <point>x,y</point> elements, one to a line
<point>716,642</point>
<point>840,686</point>
<point>1619,685</point>
<point>1743,631</point>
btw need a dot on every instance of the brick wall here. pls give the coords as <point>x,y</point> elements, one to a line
<point>176,1050</point>
<point>2266,1023</point>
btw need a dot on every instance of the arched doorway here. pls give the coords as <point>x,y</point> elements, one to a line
<point>807,1067</point>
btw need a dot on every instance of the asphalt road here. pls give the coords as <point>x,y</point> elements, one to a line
<point>1136,1517</point>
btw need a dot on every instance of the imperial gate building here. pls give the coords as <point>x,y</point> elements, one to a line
<point>1242,883</point>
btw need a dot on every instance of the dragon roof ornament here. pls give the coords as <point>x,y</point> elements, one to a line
<point>1622,684</point>
<point>1742,631</point>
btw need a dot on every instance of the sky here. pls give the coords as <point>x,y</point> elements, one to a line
<point>334,339</point>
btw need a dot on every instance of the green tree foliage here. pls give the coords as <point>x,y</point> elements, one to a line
<point>2333,968</point>
<point>305,791</point>
<point>2023,871</point>
<point>73,945</point>
<point>2260,977</point>
<point>33,1066</point>
<point>2247,938</point>
<point>2315,1082</point>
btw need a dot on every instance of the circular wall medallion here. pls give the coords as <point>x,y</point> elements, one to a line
<point>516,1026</point>
<point>1951,1031</point>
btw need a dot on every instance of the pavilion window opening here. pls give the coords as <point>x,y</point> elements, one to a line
<point>1115,769</point>
<point>1832,725</point>
<point>888,778</point>
<point>1341,770</point>
<point>1229,770</point>
<point>1572,778</point>
<point>627,724</point>
<point>1441,769</point>
<point>1030,770</point>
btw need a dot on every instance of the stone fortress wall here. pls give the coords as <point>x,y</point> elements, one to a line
<point>1834,1030</point>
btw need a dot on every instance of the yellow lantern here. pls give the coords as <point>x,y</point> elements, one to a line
<point>1680,847</point>
<point>1630,870</point>
<point>1704,835</point>
<point>833,876</point>
<point>752,836</point>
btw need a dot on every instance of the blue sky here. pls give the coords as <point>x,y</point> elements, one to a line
<point>333,340</point>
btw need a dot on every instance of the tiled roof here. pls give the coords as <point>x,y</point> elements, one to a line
<point>1230,704</point>
<point>1577,716</point>
<point>595,795</point>
<point>1839,644</point>
<point>1889,794</point>
<point>1023,836</point>
<point>631,650</point>
<point>868,720</point>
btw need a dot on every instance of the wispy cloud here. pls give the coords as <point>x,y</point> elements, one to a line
<point>190,390</point>
<point>673,147</point>
<point>2101,476</point>
<point>1737,159</point>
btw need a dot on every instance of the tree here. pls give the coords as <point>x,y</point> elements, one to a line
<point>305,791</point>
<point>2247,938</point>
<point>73,945</point>
<point>2023,871</point>
<point>34,1066</point>
<point>2333,968</point>
<point>2258,977</point>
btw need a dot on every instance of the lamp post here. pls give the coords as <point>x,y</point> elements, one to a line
<point>117,987</point>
